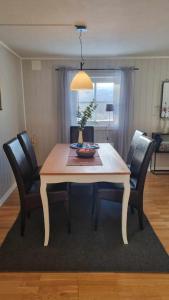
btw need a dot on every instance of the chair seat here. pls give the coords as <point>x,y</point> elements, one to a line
<point>109,186</point>
<point>116,186</point>
<point>51,188</point>
<point>56,192</point>
<point>32,197</point>
<point>114,191</point>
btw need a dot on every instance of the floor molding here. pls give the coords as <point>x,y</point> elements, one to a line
<point>7,194</point>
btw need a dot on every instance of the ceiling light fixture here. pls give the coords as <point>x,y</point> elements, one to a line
<point>81,81</point>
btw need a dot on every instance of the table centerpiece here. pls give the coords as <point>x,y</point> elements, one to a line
<point>83,117</point>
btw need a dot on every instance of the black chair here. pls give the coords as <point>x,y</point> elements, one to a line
<point>114,192</point>
<point>29,189</point>
<point>88,134</point>
<point>29,151</point>
<point>133,145</point>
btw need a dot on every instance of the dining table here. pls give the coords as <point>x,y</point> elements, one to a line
<point>112,168</point>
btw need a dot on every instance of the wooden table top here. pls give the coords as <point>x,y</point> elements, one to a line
<point>56,162</point>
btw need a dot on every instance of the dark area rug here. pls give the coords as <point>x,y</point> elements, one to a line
<point>84,249</point>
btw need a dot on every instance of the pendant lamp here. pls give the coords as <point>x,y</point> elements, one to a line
<point>81,80</point>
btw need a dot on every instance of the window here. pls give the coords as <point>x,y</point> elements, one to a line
<point>104,92</point>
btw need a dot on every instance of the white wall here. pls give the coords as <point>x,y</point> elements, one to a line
<point>40,98</point>
<point>11,117</point>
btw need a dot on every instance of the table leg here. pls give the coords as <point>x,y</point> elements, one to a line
<point>44,198</point>
<point>126,196</point>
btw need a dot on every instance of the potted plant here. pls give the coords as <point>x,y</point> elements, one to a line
<point>83,117</point>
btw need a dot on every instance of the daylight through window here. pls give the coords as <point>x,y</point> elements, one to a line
<point>103,93</point>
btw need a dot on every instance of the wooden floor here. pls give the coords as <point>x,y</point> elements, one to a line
<point>93,286</point>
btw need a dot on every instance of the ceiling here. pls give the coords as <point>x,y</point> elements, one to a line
<point>115,27</point>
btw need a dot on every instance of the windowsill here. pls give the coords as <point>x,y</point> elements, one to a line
<point>99,128</point>
<point>102,126</point>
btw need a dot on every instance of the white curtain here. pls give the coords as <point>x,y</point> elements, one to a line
<point>126,111</point>
<point>66,105</point>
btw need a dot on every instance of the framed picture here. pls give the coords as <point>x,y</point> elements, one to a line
<point>0,100</point>
<point>164,111</point>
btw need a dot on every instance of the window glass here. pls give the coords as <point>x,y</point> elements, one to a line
<point>103,93</point>
<point>85,96</point>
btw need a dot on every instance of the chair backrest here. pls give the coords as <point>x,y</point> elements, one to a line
<point>19,165</point>
<point>140,161</point>
<point>88,134</point>
<point>133,145</point>
<point>28,149</point>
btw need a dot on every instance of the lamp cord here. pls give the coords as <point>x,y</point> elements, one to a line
<point>81,50</point>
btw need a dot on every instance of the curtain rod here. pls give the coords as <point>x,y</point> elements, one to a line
<point>100,69</point>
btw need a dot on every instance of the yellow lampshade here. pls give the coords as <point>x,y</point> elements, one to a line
<point>81,81</point>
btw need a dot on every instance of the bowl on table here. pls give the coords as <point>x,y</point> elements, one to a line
<point>85,152</point>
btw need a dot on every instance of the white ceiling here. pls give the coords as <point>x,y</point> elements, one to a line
<point>115,27</point>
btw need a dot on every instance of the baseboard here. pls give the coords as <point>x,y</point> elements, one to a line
<point>159,168</point>
<point>7,194</point>
<point>162,168</point>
